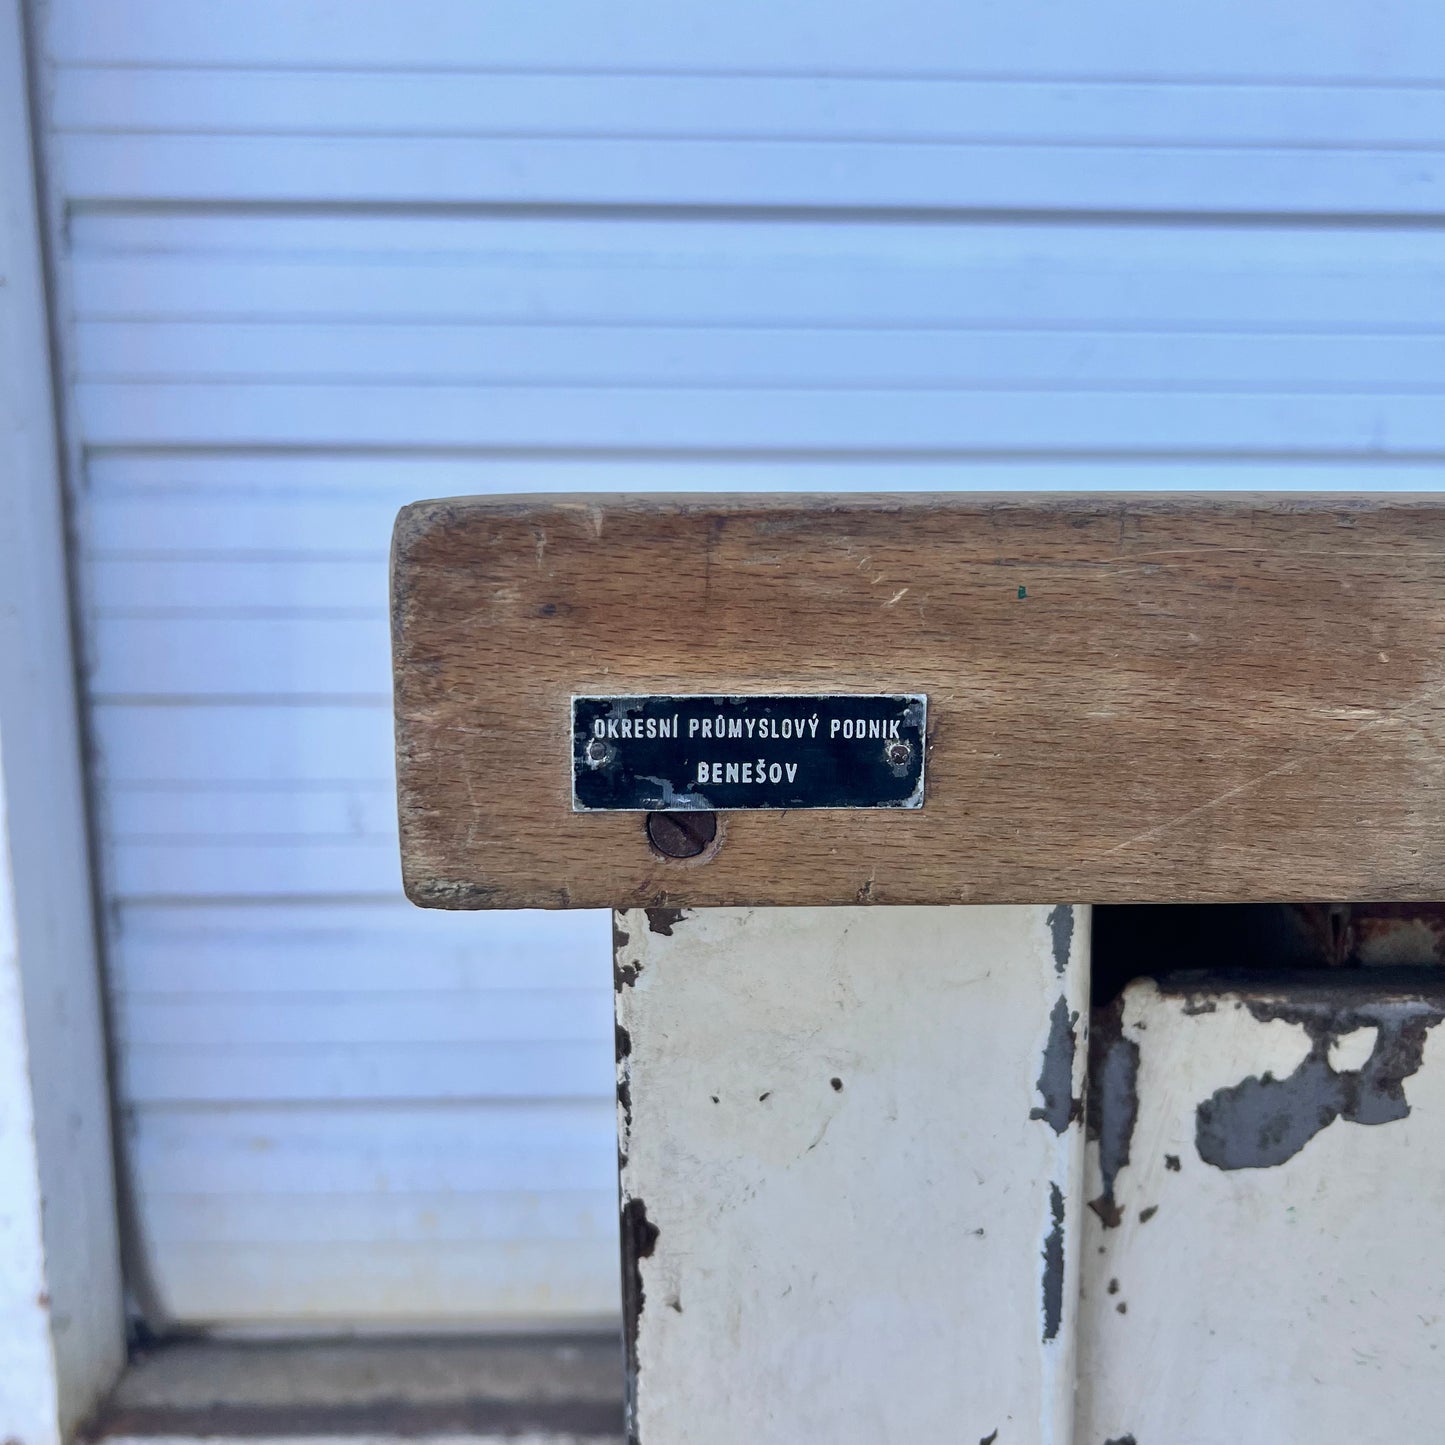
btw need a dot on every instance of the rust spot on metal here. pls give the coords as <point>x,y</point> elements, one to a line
<point>1397,933</point>
<point>639,1239</point>
<point>681,835</point>
<point>1372,935</point>
<point>1324,928</point>
<point>624,971</point>
<point>1113,1101</point>
<point>1163,940</point>
<point>638,1230</point>
<point>1160,940</point>
<point>664,920</point>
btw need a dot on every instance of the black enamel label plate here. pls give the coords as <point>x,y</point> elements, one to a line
<point>695,753</point>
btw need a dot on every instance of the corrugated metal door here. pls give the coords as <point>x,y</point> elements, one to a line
<point>318,260</point>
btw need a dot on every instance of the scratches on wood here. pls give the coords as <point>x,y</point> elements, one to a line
<point>1202,697</point>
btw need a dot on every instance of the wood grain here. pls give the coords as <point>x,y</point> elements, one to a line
<point>1131,699</point>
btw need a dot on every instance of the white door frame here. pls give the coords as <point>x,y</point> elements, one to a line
<point>62,1336</point>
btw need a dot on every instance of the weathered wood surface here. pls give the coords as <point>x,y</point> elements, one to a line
<point>1130,698</point>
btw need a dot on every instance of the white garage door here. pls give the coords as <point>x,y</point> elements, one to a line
<point>320,259</point>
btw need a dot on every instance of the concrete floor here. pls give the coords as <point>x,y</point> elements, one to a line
<point>543,1390</point>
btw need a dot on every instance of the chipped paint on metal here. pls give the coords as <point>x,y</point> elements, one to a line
<point>1061,931</point>
<point>1293,1285</point>
<point>1061,1087</point>
<point>829,1146</point>
<point>664,920</point>
<point>1262,1121</point>
<point>1053,1253</point>
<point>639,1238</point>
<point>1061,1105</point>
<point>625,964</point>
<point>1113,1103</point>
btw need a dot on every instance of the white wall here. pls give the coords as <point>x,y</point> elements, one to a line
<point>61,1336</point>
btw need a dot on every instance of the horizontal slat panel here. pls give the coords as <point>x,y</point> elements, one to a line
<point>230,657</point>
<point>381,948</point>
<point>742,106</point>
<point>406,1285</point>
<point>185,505</point>
<point>200,517</point>
<point>1389,40</point>
<point>261,813</point>
<point>519,1015</point>
<point>774,419</point>
<point>258,868</point>
<point>328,1220</point>
<point>404,1149</point>
<point>928,360</point>
<point>942,175</point>
<point>318,1073</point>
<point>421,240</point>
<point>1112,279</point>
<point>226,746</point>
<point>250,588</point>
<point>144,523</point>
<point>314,1214</point>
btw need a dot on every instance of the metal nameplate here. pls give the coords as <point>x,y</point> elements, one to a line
<point>694,753</point>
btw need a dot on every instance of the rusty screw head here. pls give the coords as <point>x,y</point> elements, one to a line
<point>681,835</point>
<point>597,752</point>
<point>899,754</point>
